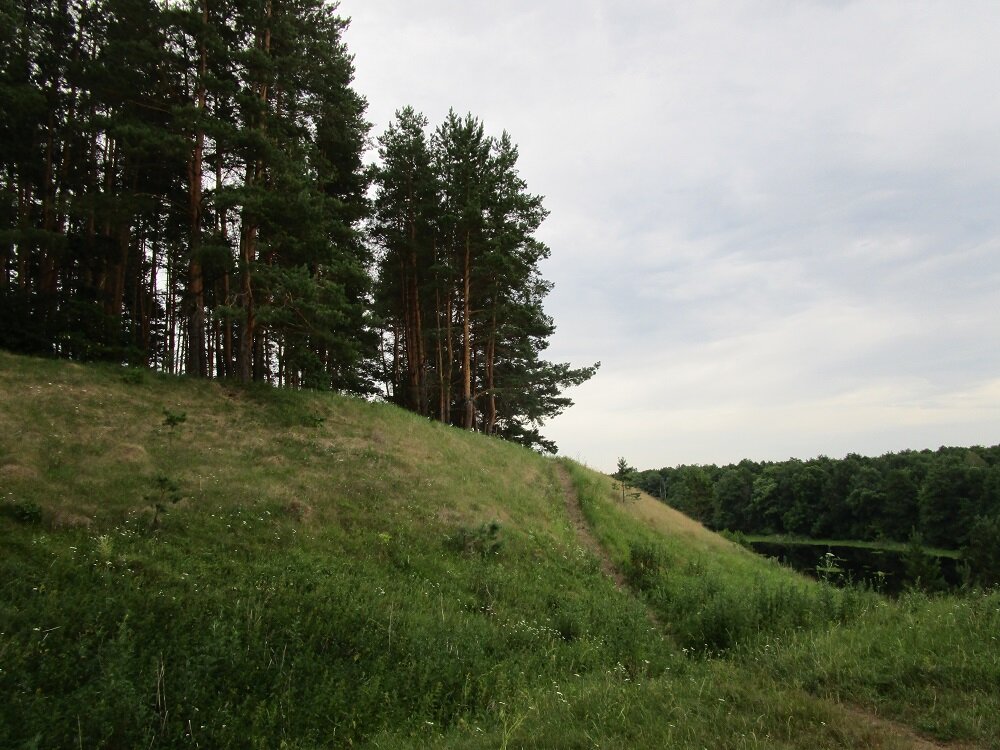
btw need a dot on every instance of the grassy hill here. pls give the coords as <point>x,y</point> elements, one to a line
<point>186,564</point>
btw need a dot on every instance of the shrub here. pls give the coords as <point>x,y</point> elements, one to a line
<point>644,565</point>
<point>22,511</point>
<point>484,540</point>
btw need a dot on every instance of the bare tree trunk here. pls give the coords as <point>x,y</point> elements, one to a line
<point>418,385</point>
<point>170,307</point>
<point>47,272</point>
<point>197,363</point>
<point>408,349</point>
<point>251,349</point>
<point>223,229</point>
<point>248,251</point>
<point>450,313</point>
<point>491,408</point>
<point>467,404</point>
<point>24,223</point>
<point>442,410</point>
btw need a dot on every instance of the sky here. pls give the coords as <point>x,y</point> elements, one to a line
<point>775,223</point>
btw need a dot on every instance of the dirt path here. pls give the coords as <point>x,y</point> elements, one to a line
<point>904,735</point>
<point>590,542</point>
<point>583,533</point>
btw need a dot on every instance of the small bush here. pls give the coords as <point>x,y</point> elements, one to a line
<point>22,511</point>
<point>173,419</point>
<point>133,376</point>
<point>645,563</point>
<point>736,537</point>
<point>484,541</point>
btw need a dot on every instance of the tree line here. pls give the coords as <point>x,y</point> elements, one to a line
<point>950,497</point>
<point>184,188</point>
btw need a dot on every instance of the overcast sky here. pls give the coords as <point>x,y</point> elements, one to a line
<point>775,223</point>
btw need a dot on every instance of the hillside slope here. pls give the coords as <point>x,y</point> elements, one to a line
<point>186,564</point>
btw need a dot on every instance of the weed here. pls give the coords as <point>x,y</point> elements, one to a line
<point>173,419</point>
<point>646,563</point>
<point>133,376</point>
<point>166,492</point>
<point>22,511</point>
<point>483,540</point>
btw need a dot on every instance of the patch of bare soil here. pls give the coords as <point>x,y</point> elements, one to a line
<point>905,736</point>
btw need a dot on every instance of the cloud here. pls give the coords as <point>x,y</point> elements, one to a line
<point>773,222</point>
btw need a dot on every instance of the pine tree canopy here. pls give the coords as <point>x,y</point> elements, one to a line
<point>183,186</point>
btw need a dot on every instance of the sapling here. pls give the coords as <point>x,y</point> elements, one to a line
<point>166,491</point>
<point>623,474</point>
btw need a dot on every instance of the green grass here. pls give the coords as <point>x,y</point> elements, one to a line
<point>930,662</point>
<point>713,599</point>
<point>338,573</point>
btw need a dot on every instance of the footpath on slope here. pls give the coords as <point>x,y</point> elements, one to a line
<point>900,732</point>
<point>583,533</point>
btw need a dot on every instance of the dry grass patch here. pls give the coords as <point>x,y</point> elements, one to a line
<point>670,522</point>
<point>275,461</point>
<point>18,471</point>
<point>66,519</point>
<point>128,453</point>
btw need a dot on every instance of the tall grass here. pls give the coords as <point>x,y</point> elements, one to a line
<point>338,573</point>
<point>712,599</point>
<point>932,662</point>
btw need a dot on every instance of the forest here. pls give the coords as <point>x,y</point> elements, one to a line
<point>184,187</point>
<point>948,498</point>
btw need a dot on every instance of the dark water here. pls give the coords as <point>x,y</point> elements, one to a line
<point>884,570</point>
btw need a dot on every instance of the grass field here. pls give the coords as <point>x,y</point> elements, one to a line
<point>188,564</point>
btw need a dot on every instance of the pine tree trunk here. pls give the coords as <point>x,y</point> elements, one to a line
<point>491,413</point>
<point>406,396</point>
<point>197,364</point>
<point>467,405</point>
<point>247,251</point>
<point>24,223</point>
<point>47,272</point>
<point>450,312</point>
<point>442,404</point>
<point>250,344</point>
<point>223,229</point>
<point>419,378</point>
<point>415,334</point>
<point>149,305</point>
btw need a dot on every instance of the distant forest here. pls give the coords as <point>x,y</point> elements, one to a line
<point>183,187</point>
<point>948,498</point>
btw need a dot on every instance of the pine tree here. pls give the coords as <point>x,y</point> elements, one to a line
<point>457,233</point>
<point>406,214</point>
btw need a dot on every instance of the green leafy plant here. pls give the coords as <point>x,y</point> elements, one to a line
<point>133,376</point>
<point>173,419</point>
<point>483,540</point>
<point>923,570</point>
<point>829,569</point>
<point>645,563</point>
<point>22,511</point>
<point>166,492</point>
